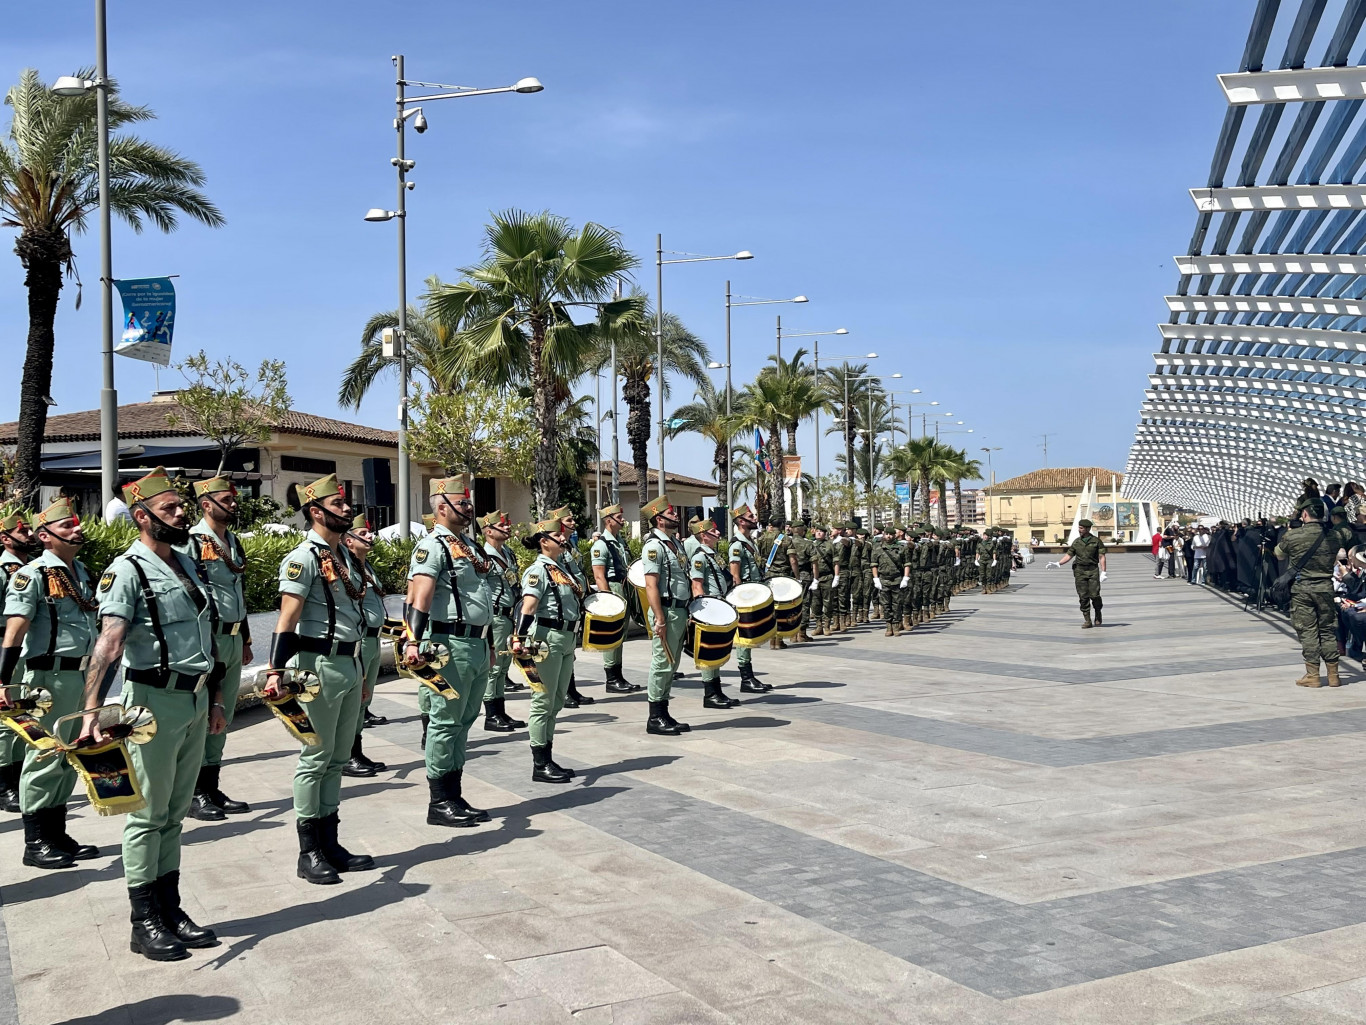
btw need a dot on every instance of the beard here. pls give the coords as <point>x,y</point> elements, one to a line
<point>167,533</point>
<point>333,522</point>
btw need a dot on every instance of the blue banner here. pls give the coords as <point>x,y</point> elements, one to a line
<point>903,493</point>
<point>148,319</point>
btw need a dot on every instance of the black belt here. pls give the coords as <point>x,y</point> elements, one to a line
<point>459,630</point>
<point>673,603</point>
<point>557,624</point>
<point>231,629</point>
<point>61,663</point>
<point>372,631</point>
<point>322,646</point>
<point>166,680</point>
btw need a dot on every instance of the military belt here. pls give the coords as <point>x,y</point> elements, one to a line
<point>460,630</point>
<point>557,624</point>
<point>231,629</point>
<point>673,603</point>
<point>167,680</point>
<point>322,646</point>
<point>61,663</point>
<point>372,631</point>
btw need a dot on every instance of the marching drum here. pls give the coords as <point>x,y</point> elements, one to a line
<point>604,621</point>
<point>754,603</point>
<point>635,576</point>
<point>393,615</point>
<point>712,624</point>
<point>787,605</point>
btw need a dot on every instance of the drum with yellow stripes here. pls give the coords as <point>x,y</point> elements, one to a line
<point>712,624</point>
<point>754,604</point>
<point>787,605</point>
<point>604,621</point>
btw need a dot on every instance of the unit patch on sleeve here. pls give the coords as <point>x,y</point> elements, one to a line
<point>106,581</point>
<point>293,570</point>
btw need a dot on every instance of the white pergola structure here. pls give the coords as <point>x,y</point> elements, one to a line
<point>1261,380</point>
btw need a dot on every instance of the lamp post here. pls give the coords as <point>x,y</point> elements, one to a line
<point>403,165</point>
<point>660,262</point>
<point>992,472</point>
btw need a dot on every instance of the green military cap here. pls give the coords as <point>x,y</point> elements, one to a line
<point>497,518</point>
<point>13,517</point>
<point>862,532</point>
<point>323,487</point>
<point>743,511</point>
<point>696,526</point>
<point>428,520</point>
<point>457,485</point>
<point>549,525</point>
<point>213,486</point>
<point>360,522</point>
<point>798,524</point>
<point>660,506</point>
<point>149,486</point>
<point>610,510</point>
<point>60,509</point>
<point>1085,523</point>
<point>563,512</point>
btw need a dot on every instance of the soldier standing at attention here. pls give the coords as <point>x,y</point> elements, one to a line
<point>448,603</point>
<point>222,564</point>
<point>891,578</point>
<point>505,594</point>
<point>668,592</point>
<point>1310,549</point>
<point>709,577</point>
<point>19,548</point>
<point>50,614</point>
<point>821,599</point>
<point>690,542</point>
<point>843,546</point>
<point>863,574</point>
<point>569,562</point>
<point>1087,555</point>
<point>745,568</point>
<point>359,540</point>
<point>156,619</point>
<point>610,559</point>
<point>801,555</point>
<point>322,621</point>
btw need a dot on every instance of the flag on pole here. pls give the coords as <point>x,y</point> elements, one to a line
<point>760,456</point>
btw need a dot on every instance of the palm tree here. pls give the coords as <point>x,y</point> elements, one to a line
<point>706,415</point>
<point>803,395</point>
<point>833,384</point>
<point>931,464</point>
<point>963,469</point>
<point>630,323</point>
<point>764,410</point>
<point>901,465</point>
<point>428,340</point>
<point>49,183</point>
<point>512,314</point>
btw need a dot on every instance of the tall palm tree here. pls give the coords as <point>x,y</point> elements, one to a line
<point>833,383</point>
<point>630,323</point>
<point>706,415</point>
<point>901,465</point>
<point>428,340</point>
<point>803,395</point>
<point>964,468</point>
<point>931,464</point>
<point>512,314</point>
<point>49,183</point>
<point>764,410</point>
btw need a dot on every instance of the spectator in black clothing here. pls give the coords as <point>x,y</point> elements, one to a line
<point>1350,590</point>
<point>1331,497</point>
<point>1188,551</point>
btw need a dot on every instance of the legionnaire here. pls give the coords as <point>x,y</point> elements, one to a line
<point>157,619</point>
<point>1087,555</point>
<point>1310,550</point>
<point>801,555</point>
<point>668,592</point>
<point>569,562</point>
<point>359,540</point>
<point>505,594</point>
<point>449,603</point>
<point>50,627</point>
<point>709,576</point>
<point>690,542</point>
<point>610,559</point>
<point>321,624</point>
<point>549,613</point>
<point>20,547</point>
<point>217,554</point>
<point>746,568</point>
<point>891,578</point>
<point>777,561</point>
<point>821,600</point>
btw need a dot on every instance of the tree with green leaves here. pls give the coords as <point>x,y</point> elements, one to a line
<point>483,431</point>
<point>931,464</point>
<point>228,404</point>
<point>764,410</point>
<point>428,340</point>
<point>963,469</point>
<point>49,184</point>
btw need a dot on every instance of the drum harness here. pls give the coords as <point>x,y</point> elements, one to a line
<point>162,676</point>
<point>68,588</point>
<point>457,627</point>
<point>668,601</point>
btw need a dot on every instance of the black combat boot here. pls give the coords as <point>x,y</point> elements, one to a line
<point>511,685</point>
<point>495,721</point>
<point>359,765</point>
<point>517,724</point>
<point>167,893</point>
<point>616,683</point>
<point>1096,602</point>
<point>715,697</point>
<point>422,743</point>
<point>659,722</point>
<point>313,866</point>
<point>201,805</point>
<point>682,727</point>
<point>455,782</point>
<point>62,840</point>
<point>441,810</point>
<point>573,699</point>
<point>225,803</point>
<point>39,849</point>
<point>338,856</point>
<point>371,719</point>
<point>542,770</point>
<point>749,684</point>
<point>151,937</point>
<point>550,753</point>
<point>9,785</point>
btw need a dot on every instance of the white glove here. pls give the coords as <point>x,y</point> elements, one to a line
<point>877,583</point>
<point>993,562</point>
<point>905,582</point>
<point>1103,575</point>
<point>814,584</point>
<point>836,581</point>
<point>1051,565</point>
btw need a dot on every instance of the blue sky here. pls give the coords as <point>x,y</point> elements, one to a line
<point>988,195</point>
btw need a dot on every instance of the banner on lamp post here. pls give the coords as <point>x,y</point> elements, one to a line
<point>148,319</point>
<point>792,469</point>
<point>903,493</point>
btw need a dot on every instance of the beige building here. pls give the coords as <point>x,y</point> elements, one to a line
<point>1042,504</point>
<point>689,494</point>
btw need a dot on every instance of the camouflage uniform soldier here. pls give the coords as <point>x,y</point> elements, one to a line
<point>891,579</point>
<point>801,560</point>
<point>1087,555</point>
<point>1311,549</point>
<point>822,598</point>
<point>862,581</point>
<point>844,603</point>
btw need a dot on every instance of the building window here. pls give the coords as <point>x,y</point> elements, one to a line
<point>302,464</point>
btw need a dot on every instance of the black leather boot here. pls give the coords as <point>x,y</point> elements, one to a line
<point>167,893</point>
<point>574,696</point>
<point>542,771</point>
<point>750,685</point>
<point>616,683</point>
<point>441,810</point>
<point>201,805</point>
<point>151,938</point>
<point>358,765</point>
<point>714,697</point>
<point>517,724</point>
<point>423,742</point>
<point>39,850</point>
<point>494,720</point>
<point>338,856</point>
<point>1096,602</point>
<point>659,723</point>
<point>222,800</point>
<point>455,791</point>
<point>313,867</point>
<point>682,727</point>
<point>510,685</point>
<point>371,719</point>
<point>9,786</point>
<point>62,839</point>
<point>550,753</point>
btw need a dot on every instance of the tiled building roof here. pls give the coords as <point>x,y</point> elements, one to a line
<point>626,475</point>
<point>1060,478</point>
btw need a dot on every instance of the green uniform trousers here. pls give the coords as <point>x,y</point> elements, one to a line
<point>425,697</point>
<point>556,670</point>
<point>318,776</point>
<point>821,601</point>
<point>611,659</point>
<point>808,606</point>
<point>167,767</point>
<point>1314,616</point>
<point>662,668</point>
<point>230,654</point>
<point>449,728</point>
<point>744,656</point>
<point>369,676</point>
<point>862,583</point>
<point>499,665</point>
<point>48,783</point>
<point>1087,579</point>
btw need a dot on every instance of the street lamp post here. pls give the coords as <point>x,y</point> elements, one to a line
<point>992,473</point>
<point>403,166</point>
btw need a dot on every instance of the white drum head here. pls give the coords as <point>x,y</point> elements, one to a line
<point>604,605</point>
<point>785,589</point>
<point>393,606</point>
<point>713,611</point>
<point>750,595</point>
<point>636,574</point>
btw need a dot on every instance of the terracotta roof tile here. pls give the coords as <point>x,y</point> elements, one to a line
<point>1061,478</point>
<point>626,475</point>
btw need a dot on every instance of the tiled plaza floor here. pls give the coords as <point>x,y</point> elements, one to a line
<point>997,818</point>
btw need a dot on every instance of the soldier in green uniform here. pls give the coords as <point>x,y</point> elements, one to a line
<point>569,562</point>
<point>862,580</point>
<point>777,562</point>
<point>50,628</point>
<point>448,603</point>
<point>821,600</point>
<point>801,560</point>
<point>668,592</point>
<point>550,610</point>
<point>690,542</point>
<point>20,547</point>
<point>709,576</point>
<point>156,618</point>
<point>319,630</point>
<point>1087,555</point>
<point>844,570</point>
<point>505,594</point>
<point>1310,550</point>
<point>891,579</point>
<point>222,564</point>
<point>610,560</point>
<point>746,568</point>
<point>359,540</point>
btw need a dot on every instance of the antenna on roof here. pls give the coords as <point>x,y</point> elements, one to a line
<point>1045,438</point>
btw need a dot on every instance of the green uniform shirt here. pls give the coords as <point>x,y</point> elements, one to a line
<point>801,550</point>
<point>372,603</point>
<point>708,567</point>
<point>462,592</point>
<point>30,588</point>
<point>823,557</point>
<point>663,558</point>
<point>1317,573</point>
<point>690,546</point>
<point>612,555</point>
<point>555,597</point>
<point>226,588</point>
<point>327,604</point>
<point>1086,551</point>
<point>505,585</point>
<point>746,553</point>
<point>10,564</point>
<point>184,612</point>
